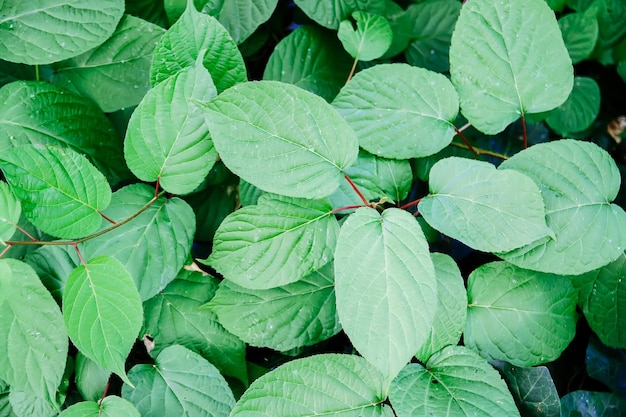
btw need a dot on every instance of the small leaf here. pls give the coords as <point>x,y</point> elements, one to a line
<point>102,312</point>
<point>487,209</point>
<point>369,40</point>
<point>508,59</point>
<point>578,180</point>
<point>281,138</point>
<point>592,404</point>
<point>299,314</point>
<point>504,300</point>
<point>579,110</point>
<point>53,264</point>
<point>580,33</point>
<point>455,382</point>
<point>91,378</point>
<point>115,74</point>
<point>240,17</point>
<point>10,211</point>
<point>606,365</point>
<point>328,384</point>
<point>61,192</point>
<point>167,137</point>
<point>180,382</point>
<point>330,13</point>
<point>110,406</point>
<point>385,260</point>
<point>399,111</point>
<point>48,31</point>
<point>274,243</point>
<point>33,341</point>
<point>181,46</point>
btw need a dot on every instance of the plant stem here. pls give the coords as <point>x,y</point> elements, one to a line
<point>356,189</point>
<point>105,217</point>
<point>5,250</point>
<point>37,76</point>
<point>410,204</point>
<point>337,210</point>
<point>481,151</point>
<point>21,229</point>
<point>524,131</point>
<point>356,61</point>
<point>462,136</point>
<point>80,255</point>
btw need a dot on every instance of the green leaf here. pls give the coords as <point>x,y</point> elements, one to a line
<point>149,10</point>
<point>451,310</point>
<point>504,300</point>
<point>369,40</point>
<point>328,384</point>
<point>5,406</point>
<point>299,314</point>
<point>376,178</point>
<point>91,378</point>
<point>110,406</point>
<point>248,193</point>
<point>240,17</point>
<point>281,138</point>
<point>61,192</point>
<point>167,138</point>
<point>274,243</point>
<point>577,180</point>
<point>580,109</point>
<point>330,13</point>
<point>602,298</point>
<point>182,43</point>
<point>621,69</point>
<point>432,23</point>
<point>102,312</point>
<point>592,404</point>
<point>10,212</point>
<point>53,264</point>
<point>487,209</point>
<point>532,388</point>
<point>164,232</point>
<point>35,112</point>
<point>46,31</point>
<point>25,404</point>
<point>174,317</point>
<point>580,33</point>
<point>399,111</point>
<point>312,59</point>
<point>33,342</point>
<point>115,74</point>
<point>180,382</point>
<point>455,382</point>
<point>606,365</point>
<point>211,206</point>
<point>508,59</point>
<point>385,260</point>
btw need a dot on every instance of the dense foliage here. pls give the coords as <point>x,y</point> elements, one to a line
<point>348,207</point>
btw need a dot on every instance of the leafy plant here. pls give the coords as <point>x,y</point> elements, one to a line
<point>400,215</point>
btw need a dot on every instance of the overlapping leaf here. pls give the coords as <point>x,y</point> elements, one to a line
<point>487,209</point>
<point>607,365</point>
<point>53,265</point>
<point>110,406</point>
<point>33,341</point>
<point>45,31</point>
<point>399,111</point>
<point>102,312</point>
<point>240,17</point>
<point>579,110</point>
<point>538,309</point>
<point>167,138</point>
<point>180,382</point>
<point>578,180</point>
<point>91,379</point>
<point>10,211</point>
<point>61,192</point>
<point>369,40</point>
<point>580,33</point>
<point>592,404</point>
<point>330,13</point>
<point>385,260</point>
<point>506,59</point>
<point>281,138</point>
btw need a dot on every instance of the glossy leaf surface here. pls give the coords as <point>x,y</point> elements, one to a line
<point>580,33</point>
<point>369,40</point>
<point>592,404</point>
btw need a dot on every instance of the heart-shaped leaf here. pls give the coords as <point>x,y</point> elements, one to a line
<point>369,40</point>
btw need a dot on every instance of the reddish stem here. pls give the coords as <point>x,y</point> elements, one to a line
<point>5,250</point>
<point>411,204</point>
<point>80,255</point>
<point>464,139</point>
<point>337,210</point>
<point>356,61</point>
<point>524,131</point>
<point>356,190</point>
<point>21,229</point>
<point>105,217</point>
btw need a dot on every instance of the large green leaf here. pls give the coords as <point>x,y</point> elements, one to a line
<point>115,74</point>
<point>312,59</point>
<point>182,43</point>
<point>61,192</point>
<point>340,385</point>
<point>579,110</point>
<point>385,260</point>
<point>281,138</point>
<point>173,317</point>
<point>33,112</point>
<point>578,180</point>
<point>580,33</point>
<point>180,382</point>
<point>330,13</point>
<point>508,59</point>
<point>43,31</point>
<point>240,17</point>
<point>602,298</point>
<point>110,406</point>
<point>25,404</point>
<point>33,341</point>
<point>167,137</point>
<point>274,243</point>
<point>10,211</point>
<point>432,23</point>
<point>592,404</point>
<point>455,382</point>
<point>102,312</point>
<point>399,111</point>
<point>451,310</point>
<point>153,246</point>
<point>299,314</point>
<point>369,40</point>
<point>523,317</point>
<point>487,209</point>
